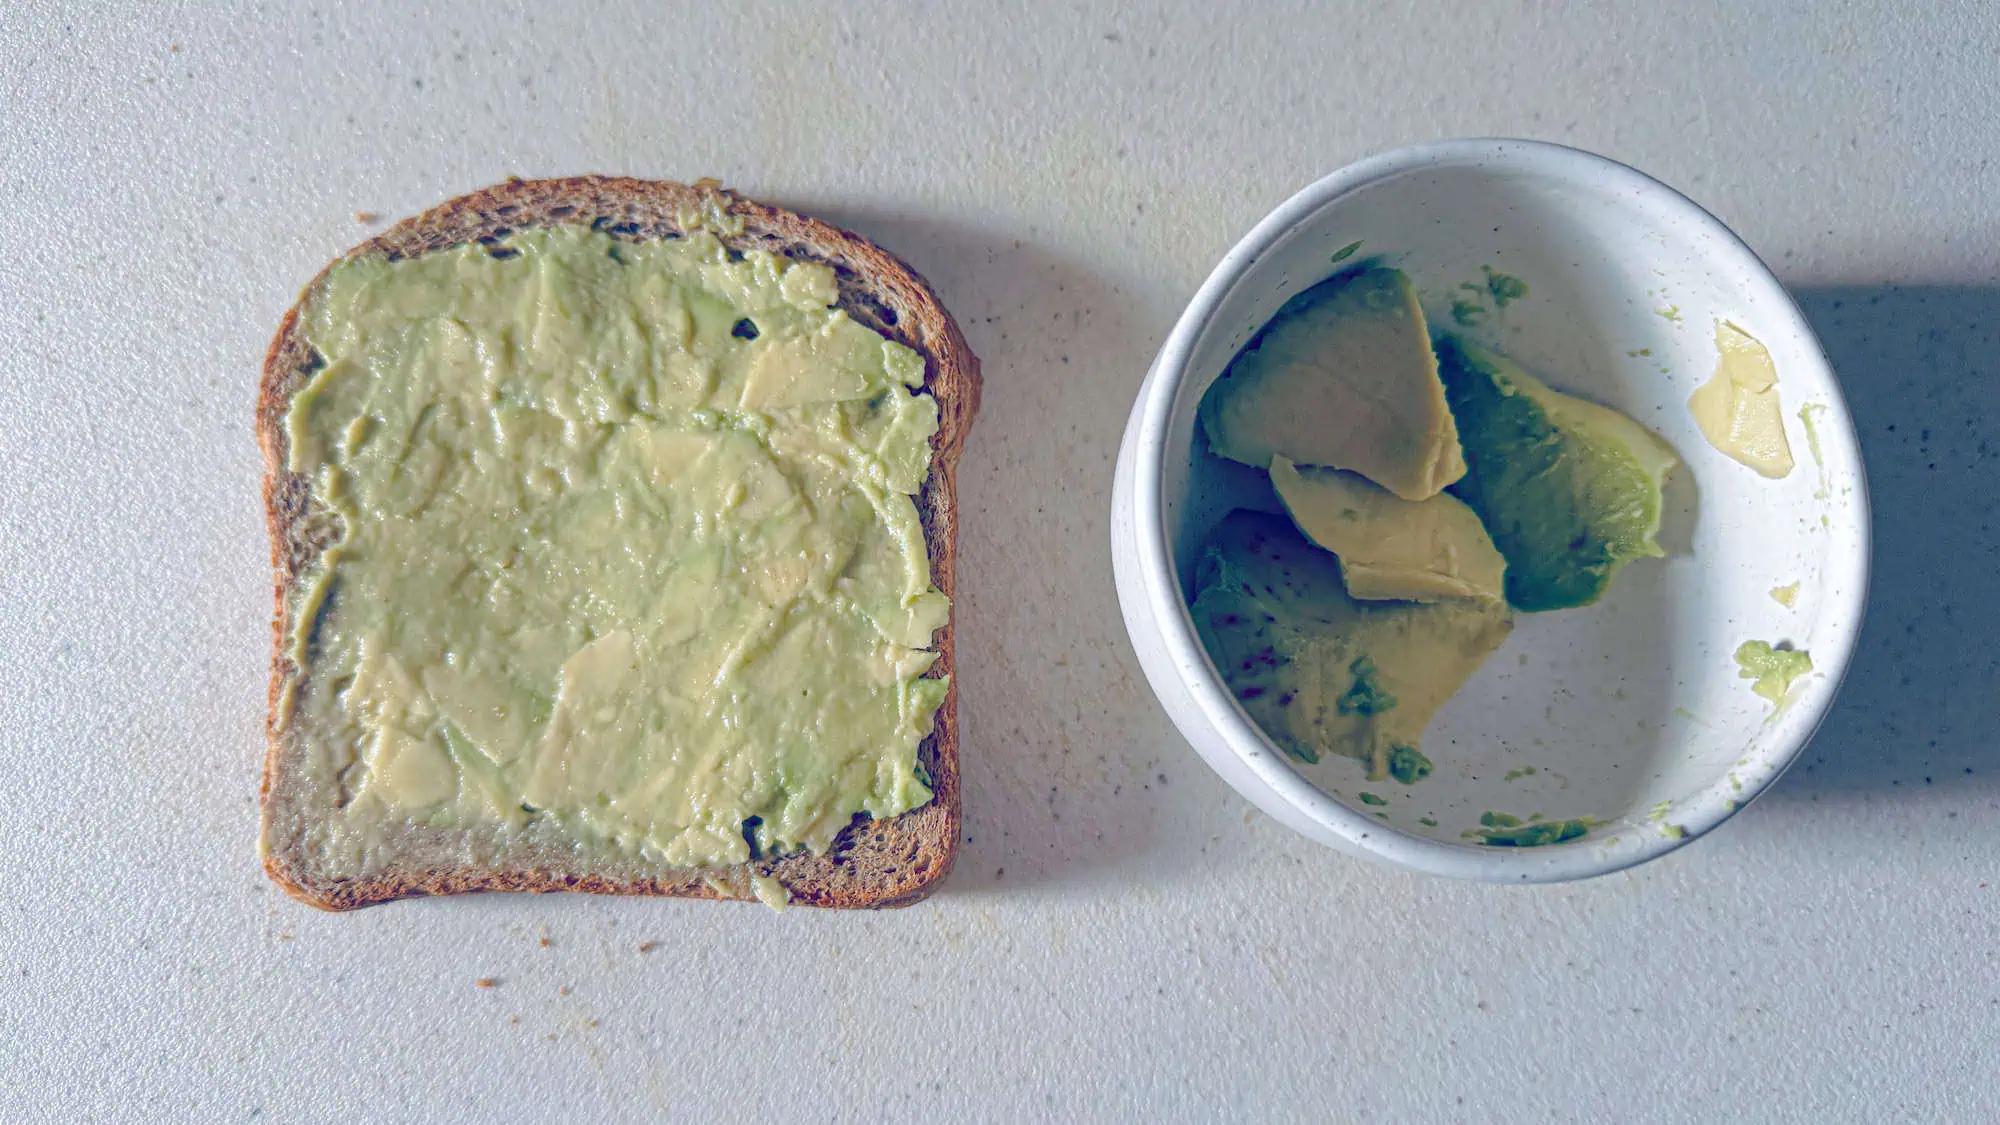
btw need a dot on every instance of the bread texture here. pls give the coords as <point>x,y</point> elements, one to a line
<point>874,864</point>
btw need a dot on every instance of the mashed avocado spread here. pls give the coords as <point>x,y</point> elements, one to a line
<point>627,539</point>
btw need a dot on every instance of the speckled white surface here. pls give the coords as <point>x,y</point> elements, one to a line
<point>1122,937</point>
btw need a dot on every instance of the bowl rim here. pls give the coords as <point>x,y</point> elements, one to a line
<point>1161,591</point>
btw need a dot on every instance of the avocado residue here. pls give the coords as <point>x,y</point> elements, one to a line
<point>1807,414</point>
<point>1505,288</point>
<point>1501,830</point>
<point>1407,764</point>
<point>1502,289</point>
<point>1773,667</point>
<point>1345,252</point>
<point>1318,671</point>
<point>1367,696</point>
<point>1372,799</point>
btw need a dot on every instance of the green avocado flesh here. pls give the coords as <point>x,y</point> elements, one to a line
<point>1408,765</point>
<point>1772,667</point>
<point>1342,376</point>
<point>1569,490</point>
<point>1322,673</point>
<point>1501,830</point>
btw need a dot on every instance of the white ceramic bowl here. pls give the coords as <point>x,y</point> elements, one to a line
<point>1631,711</point>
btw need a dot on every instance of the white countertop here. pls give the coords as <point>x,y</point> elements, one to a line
<point>1123,937</point>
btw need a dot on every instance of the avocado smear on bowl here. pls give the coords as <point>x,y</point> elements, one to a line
<point>1321,672</point>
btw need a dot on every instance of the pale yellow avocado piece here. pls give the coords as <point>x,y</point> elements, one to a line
<point>1738,409</point>
<point>1322,673</point>
<point>1392,549</point>
<point>1342,376</point>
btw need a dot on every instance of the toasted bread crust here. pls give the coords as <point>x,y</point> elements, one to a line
<point>874,863</point>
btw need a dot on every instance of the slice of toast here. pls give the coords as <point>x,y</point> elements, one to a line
<point>885,863</point>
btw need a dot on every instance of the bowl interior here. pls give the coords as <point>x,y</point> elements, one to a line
<point>1630,712</point>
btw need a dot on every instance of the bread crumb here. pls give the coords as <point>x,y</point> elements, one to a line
<point>487,982</point>
<point>545,943</point>
<point>367,217</point>
<point>513,1019</point>
<point>648,946</point>
<point>562,990</point>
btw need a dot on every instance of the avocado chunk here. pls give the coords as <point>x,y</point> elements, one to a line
<point>1343,376</point>
<point>1392,549</point>
<point>1324,674</point>
<point>1569,490</point>
<point>1774,667</point>
<point>1738,409</point>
